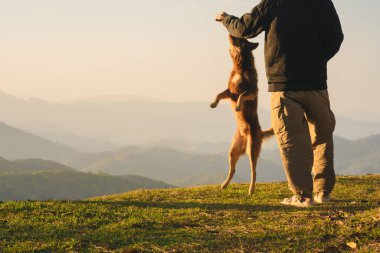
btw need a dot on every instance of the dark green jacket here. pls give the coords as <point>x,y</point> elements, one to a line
<point>301,36</point>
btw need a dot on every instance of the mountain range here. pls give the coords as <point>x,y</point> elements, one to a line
<point>180,162</point>
<point>94,126</point>
<point>171,166</point>
<point>181,144</point>
<point>183,168</point>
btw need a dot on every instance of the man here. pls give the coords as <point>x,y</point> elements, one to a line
<point>300,38</point>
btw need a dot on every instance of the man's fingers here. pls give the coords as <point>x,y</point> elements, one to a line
<point>220,16</point>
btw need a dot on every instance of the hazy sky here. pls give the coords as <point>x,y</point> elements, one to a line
<point>168,49</point>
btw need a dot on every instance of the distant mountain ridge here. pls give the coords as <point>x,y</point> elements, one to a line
<point>186,167</point>
<point>172,166</point>
<point>96,126</point>
<point>63,185</point>
<point>40,165</point>
<point>357,157</point>
<point>17,144</point>
<point>187,164</point>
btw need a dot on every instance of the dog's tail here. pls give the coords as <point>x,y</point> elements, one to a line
<point>266,134</point>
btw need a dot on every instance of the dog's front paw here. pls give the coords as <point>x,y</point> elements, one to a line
<point>214,105</point>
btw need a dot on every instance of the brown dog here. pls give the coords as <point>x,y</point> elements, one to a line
<point>242,91</point>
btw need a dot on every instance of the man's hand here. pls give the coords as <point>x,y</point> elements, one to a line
<point>220,17</point>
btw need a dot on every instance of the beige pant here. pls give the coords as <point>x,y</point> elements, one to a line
<point>304,124</point>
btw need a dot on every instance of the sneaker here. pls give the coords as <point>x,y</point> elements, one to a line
<point>320,199</point>
<point>296,201</point>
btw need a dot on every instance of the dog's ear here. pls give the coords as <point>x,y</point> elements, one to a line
<point>253,46</point>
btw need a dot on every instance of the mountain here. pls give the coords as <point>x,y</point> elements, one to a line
<point>43,185</point>
<point>81,143</point>
<point>352,157</point>
<point>172,166</point>
<point>40,165</point>
<point>190,163</point>
<point>31,165</point>
<point>39,180</point>
<point>8,166</point>
<point>145,182</point>
<point>17,144</point>
<point>358,157</point>
<point>214,148</point>
<point>97,126</point>
<point>185,167</point>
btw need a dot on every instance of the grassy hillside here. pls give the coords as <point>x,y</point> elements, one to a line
<point>198,219</point>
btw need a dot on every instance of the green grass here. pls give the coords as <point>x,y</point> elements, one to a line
<point>202,219</point>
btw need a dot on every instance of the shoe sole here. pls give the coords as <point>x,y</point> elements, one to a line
<point>322,202</point>
<point>296,205</point>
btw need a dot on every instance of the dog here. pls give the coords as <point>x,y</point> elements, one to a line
<point>243,92</point>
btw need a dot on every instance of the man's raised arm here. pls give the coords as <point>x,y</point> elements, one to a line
<point>250,24</point>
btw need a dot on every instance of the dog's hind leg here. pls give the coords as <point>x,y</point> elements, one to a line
<point>238,146</point>
<point>253,151</point>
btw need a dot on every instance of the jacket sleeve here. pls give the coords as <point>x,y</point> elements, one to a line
<point>251,24</point>
<point>334,33</point>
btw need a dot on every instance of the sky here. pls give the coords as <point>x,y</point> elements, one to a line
<point>167,49</point>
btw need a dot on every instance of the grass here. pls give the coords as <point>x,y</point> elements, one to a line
<point>201,219</point>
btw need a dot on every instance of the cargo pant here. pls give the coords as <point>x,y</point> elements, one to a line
<point>304,124</point>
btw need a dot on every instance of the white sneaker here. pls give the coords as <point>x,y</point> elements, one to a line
<point>295,201</point>
<point>320,199</point>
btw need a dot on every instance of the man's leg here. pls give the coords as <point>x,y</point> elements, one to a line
<point>322,124</point>
<point>293,138</point>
